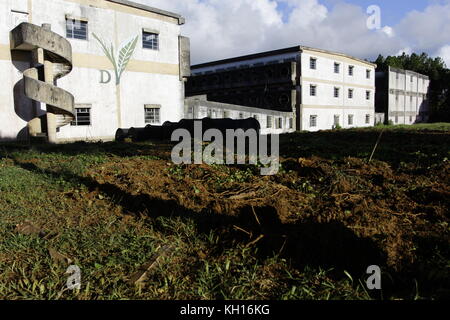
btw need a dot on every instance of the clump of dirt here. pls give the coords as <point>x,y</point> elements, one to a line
<point>316,210</point>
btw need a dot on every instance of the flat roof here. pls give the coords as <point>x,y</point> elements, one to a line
<point>273,53</point>
<point>144,7</point>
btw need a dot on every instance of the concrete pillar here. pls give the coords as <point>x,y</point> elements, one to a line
<point>51,117</point>
<point>35,126</point>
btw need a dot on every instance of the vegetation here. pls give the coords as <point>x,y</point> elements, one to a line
<point>140,227</point>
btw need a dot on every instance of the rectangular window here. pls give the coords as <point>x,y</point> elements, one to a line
<point>351,70</point>
<point>397,76</point>
<point>367,74</point>
<point>279,123</point>
<point>82,115</point>
<point>350,119</point>
<point>269,122</point>
<point>312,90</point>
<point>367,95</point>
<point>410,119</point>
<point>396,119</point>
<point>291,123</point>
<point>226,114</point>
<point>350,93</point>
<point>76,29</point>
<point>367,118</point>
<point>313,121</point>
<point>241,115</point>
<point>337,120</point>
<point>337,67</point>
<point>412,78</point>
<point>313,63</point>
<point>150,40</point>
<point>152,114</point>
<point>336,92</point>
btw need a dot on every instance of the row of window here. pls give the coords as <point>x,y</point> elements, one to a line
<point>336,92</point>
<point>152,115</point>
<point>271,121</point>
<point>337,120</point>
<point>78,29</point>
<point>337,68</point>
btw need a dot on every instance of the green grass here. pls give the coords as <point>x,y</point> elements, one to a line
<point>109,247</point>
<point>42,185</point>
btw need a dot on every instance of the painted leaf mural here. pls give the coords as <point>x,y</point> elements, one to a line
<point>125,55</point>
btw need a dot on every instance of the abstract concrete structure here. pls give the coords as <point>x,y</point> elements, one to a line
<point>52,59</point>
<point>402,96</point>
<point>320,89</point>
<point>128,66</point>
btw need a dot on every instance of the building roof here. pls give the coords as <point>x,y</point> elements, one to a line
<point>180,19</point>
<point>273,53</point>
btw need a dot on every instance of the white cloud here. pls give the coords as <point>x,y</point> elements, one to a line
<point>227,28</point>
<point>444,53</point>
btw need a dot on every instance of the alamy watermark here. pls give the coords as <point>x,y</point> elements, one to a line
<point>374,19</point>
<point>221,149</point>
<point>374,280</point>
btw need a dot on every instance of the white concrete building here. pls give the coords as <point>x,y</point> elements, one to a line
<point>337,91</point>
<point>402,95</point>
<point>146,42</point>
<point>321,89</point>
<point>271,121</point>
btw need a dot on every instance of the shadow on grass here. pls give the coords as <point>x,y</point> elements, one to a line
<point>326,245</point>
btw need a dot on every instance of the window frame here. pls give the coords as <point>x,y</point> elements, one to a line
<point>337,92</point>
<point>152,107</point>
<point>313,63</point>
<point>313,89</point>
<point>76,121</point>
<point>145,42</point>
<point>74,22</point>
<point>313,121</point>
<point>351,93</point>
<point>351,120</point>
<point>351,71</point>
<point>337,68</point>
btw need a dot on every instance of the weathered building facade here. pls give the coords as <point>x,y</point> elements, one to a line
<point>271,121</point>
<point>402,96</point>
<point>320,89</point>
<point>120,64</point>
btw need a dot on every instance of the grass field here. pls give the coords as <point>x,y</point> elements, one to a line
<point>140,227</point>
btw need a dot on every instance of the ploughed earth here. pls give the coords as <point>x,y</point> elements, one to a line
<point>327,207</point>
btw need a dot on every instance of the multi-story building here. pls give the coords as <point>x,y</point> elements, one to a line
<point>320,89</point>
<point>402,96</point>
<point>118,64</point>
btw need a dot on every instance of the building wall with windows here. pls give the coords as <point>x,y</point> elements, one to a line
<point>153,79</point>
<point>402,96</point>
<point>312,84</point>
<point>271,121</point>
<point>336,91</point>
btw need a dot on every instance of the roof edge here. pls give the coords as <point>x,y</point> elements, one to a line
<point>338,54</point>
<point>247,57</point>
<point>181,19</point>
<point>276,52</point>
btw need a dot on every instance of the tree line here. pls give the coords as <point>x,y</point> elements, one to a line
<point>434,68</point>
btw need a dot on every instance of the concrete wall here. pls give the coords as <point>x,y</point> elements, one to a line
<point>407,96</point>
<point>198,107</point>
<point>325,105</point>
<point>152,76</point>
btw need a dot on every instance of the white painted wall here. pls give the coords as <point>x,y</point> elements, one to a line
<point>407,99</point>
<point>325,105</point>
<point>136,88</point>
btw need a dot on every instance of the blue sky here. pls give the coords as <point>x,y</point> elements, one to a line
<point>392,11</point>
